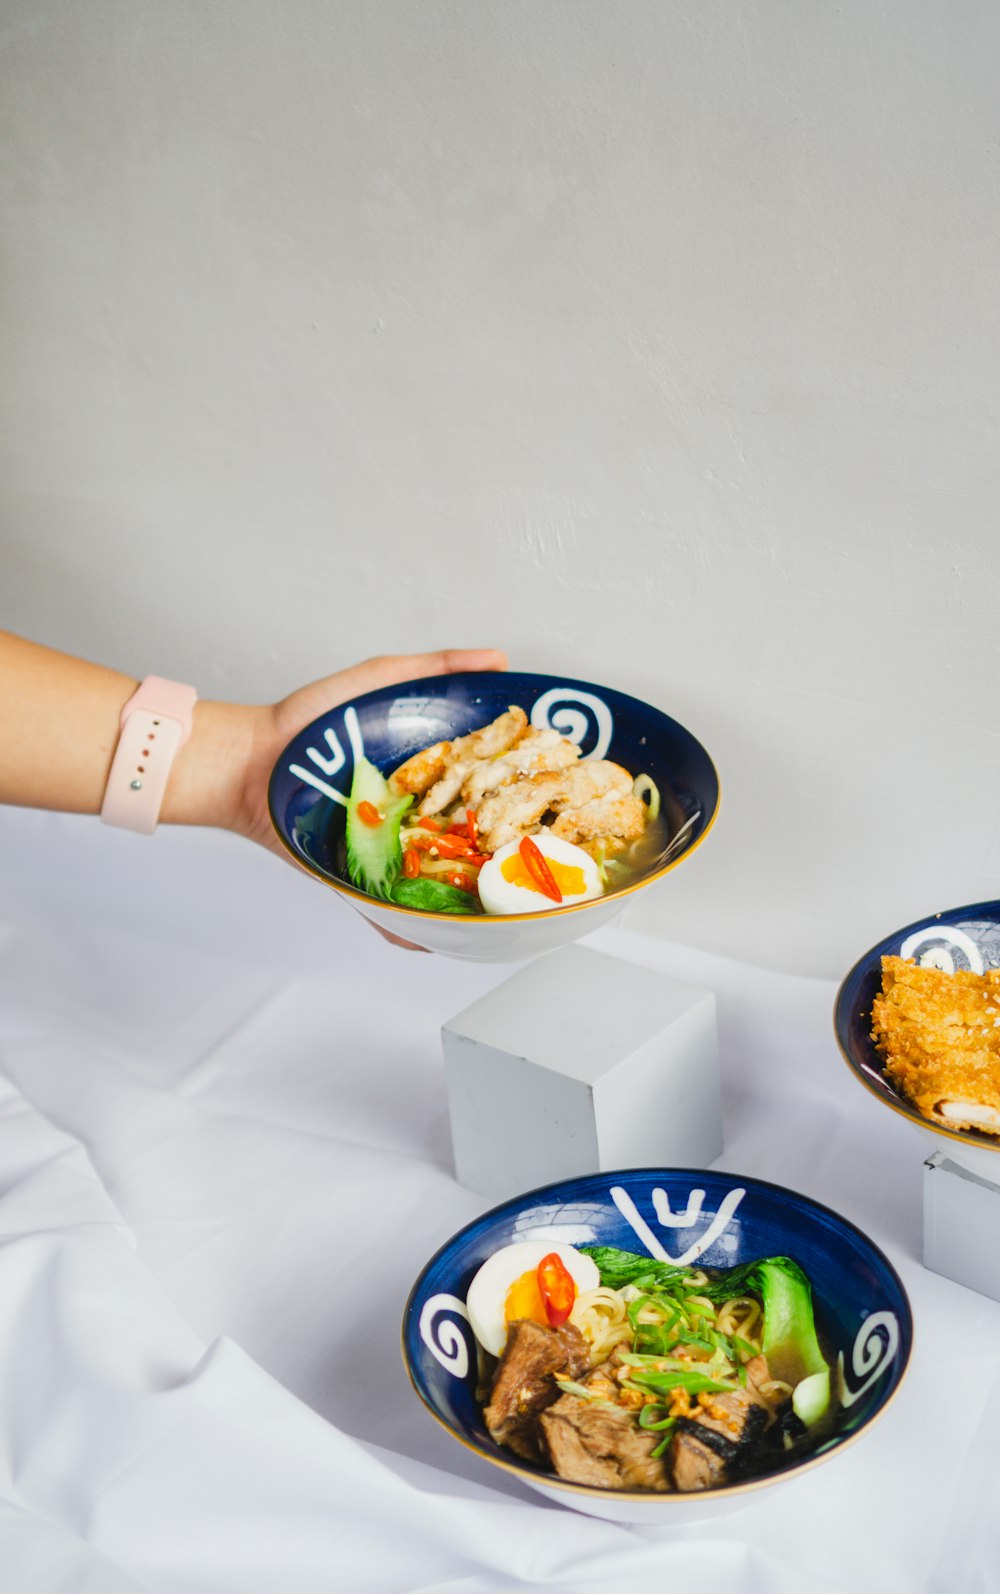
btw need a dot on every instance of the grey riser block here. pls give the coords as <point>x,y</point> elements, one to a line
<point>577,1063</point>
<point>962,1225</point>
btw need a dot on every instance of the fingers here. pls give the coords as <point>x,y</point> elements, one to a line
<point>454,660</point>
<point>391,669</point>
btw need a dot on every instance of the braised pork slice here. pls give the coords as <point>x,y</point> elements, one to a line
<point>719,1440</point>
<point>524,1384</point>
<point>592,1442</point>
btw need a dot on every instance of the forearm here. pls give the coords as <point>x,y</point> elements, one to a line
<point>60,719</point>
<point>59,724</point>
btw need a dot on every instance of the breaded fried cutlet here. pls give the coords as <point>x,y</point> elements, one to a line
<point>940,1037</point>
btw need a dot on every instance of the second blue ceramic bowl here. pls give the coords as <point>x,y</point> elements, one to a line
<point>308,791</point>
<point>957,938</point>
<point>715,1220</point>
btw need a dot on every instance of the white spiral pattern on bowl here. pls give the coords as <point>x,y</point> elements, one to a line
<point>574,722</point>
<point>874,1347</point>
<point>938,957</point>
<point>444,1339</point>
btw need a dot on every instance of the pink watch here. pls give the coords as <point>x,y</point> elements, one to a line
<point>155,724</point>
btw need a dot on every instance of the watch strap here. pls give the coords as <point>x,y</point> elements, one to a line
<point>155,723</point>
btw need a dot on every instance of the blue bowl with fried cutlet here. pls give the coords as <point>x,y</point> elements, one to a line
<point>960,941</point>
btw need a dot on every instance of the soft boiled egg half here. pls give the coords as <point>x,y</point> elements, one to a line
<point>508,1286</point>
<point>506,885</point>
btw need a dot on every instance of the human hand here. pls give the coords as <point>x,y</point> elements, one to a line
<point>273,726</point>
<point>268,730</point>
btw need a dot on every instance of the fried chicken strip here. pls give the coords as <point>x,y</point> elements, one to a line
<point>590,797</point>
<point>619,817</point>
<point>534,752</point>
<point>422,770</point>
<point>514,809</point>
<point>467,751</point>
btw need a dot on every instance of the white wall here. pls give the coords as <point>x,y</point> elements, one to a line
<point>659,340</point>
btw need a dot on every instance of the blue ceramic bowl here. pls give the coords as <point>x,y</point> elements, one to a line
<point>960,938</point>
<point>307,793</point>
<point>861,1307</point>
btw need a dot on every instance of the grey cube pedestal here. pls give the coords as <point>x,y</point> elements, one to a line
<point>962,1225</point>
<point>577,1063</point>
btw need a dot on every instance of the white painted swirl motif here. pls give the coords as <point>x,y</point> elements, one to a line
<point>677,1220</point>
<point>938,957</point>
<point>874,1348</point>
<point>444,1339</point>
<point>573,722</point>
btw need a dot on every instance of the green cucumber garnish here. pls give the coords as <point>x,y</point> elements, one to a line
<point>374,855</point>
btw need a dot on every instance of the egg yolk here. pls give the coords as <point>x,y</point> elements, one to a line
<point>569,877</point>
<point>524,1299</point>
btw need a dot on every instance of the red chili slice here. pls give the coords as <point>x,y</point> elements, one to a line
<point>462,881</point>
<point>444,846</point>
<point>556,1287</point>
<point>431,824</point>
<point>454,847</point>
<point>534,862</point>
<point>369,814</point>
<point>411,863</point>
<point>470,820</point>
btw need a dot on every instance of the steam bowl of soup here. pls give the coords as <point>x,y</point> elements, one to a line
<point>565,797</point>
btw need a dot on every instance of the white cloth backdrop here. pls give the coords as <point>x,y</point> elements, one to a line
<point>224,1156</point>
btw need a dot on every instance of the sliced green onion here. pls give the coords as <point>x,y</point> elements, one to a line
<point>636,1359</point>
<point>647,791</point>
<point>659,1364</point>
<point>655,1427</point>
<point>664,1442</point>
<point>694,1383</point>
<point>695,1340</point>
<point>651,1296</point>
<point>723,1344</point>
<point>655,1339</point>
<point>634,1308</point>
<point>568,1387</point>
